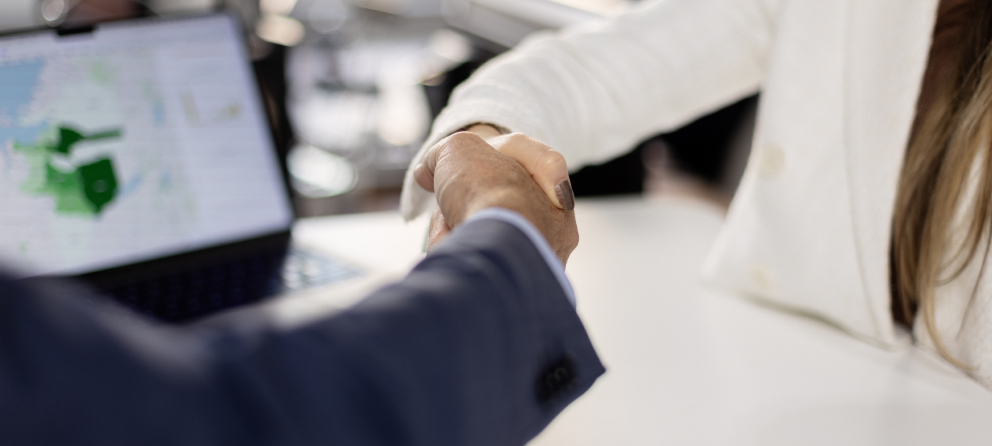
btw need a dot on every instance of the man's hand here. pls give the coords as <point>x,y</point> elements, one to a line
<point>545,165</point>
<point>467,175</point>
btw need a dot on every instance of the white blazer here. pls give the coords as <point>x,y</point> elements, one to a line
<point>809,228</point>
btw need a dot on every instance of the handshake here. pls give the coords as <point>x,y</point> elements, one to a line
<point>522,174</point>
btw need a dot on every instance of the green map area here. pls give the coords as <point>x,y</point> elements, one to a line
<point>78,189</point>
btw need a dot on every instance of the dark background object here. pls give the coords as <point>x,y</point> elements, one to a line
<point>619,176</point>
<point>701,147</point>
<point>271,73</point>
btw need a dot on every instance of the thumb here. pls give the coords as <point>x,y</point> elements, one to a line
<point>424,173</point>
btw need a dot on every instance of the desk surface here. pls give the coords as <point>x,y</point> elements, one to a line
<point>692,366</point>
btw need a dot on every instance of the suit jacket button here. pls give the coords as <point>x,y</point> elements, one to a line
<point>557,379</point>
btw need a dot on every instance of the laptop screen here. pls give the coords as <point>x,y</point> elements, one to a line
<point>132,142</point>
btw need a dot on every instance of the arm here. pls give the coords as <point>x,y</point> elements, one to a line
<point>459,352</point>
<point>593,92</point>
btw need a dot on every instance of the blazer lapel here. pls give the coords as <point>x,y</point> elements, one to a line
<point>887,46</point>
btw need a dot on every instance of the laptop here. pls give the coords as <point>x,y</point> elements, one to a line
<point>136,156</point>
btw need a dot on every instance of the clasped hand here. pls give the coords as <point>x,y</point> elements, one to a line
<point>468,173</point>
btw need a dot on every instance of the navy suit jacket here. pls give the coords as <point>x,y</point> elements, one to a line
<point>478,345</point>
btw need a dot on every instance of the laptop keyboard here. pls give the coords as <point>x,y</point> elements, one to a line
<point>207,289</point>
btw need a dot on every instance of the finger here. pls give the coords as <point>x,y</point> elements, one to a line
<point>446,167</point>
<point>424,173</point>
<point>438,231</point>
<point>546,166</point>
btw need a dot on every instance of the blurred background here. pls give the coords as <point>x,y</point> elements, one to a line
<point>352,86</point>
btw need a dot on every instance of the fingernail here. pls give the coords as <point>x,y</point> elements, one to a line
<point>565,195</point>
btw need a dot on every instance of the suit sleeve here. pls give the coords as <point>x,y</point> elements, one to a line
<point>595,91</point>
<point>478,345</point>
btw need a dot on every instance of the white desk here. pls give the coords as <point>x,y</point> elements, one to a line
<point>689,366</point>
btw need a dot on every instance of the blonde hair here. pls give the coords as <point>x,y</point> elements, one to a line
<point>950,141</point>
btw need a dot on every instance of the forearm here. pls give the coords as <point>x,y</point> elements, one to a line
<point>455,353</point>
<point>488,322</point>
<point>594,92</point>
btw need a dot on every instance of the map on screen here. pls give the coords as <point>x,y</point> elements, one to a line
<point>64,135</point>
<point>131,143</point>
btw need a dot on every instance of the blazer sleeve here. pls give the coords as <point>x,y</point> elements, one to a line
<point>593,92</point>
<point>478,345</point>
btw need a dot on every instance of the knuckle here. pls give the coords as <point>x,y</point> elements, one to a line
<point>552,161</point>
<point>460,142</point>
